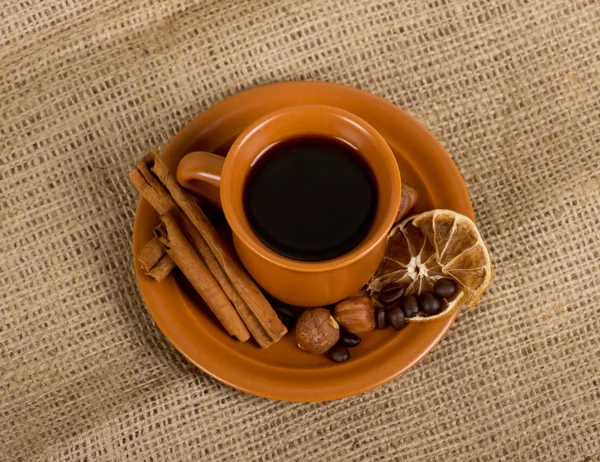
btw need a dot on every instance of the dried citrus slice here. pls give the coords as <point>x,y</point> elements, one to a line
<point>435,245</point>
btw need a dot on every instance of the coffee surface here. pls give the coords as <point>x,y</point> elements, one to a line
<point>311,198</point>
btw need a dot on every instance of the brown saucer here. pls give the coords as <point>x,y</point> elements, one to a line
<point>283,371</point>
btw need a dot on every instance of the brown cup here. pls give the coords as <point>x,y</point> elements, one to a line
<point>221,180</point>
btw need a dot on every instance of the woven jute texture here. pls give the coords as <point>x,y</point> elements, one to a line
<point>510,88</point>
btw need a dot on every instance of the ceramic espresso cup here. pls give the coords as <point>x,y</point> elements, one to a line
<point>222,179</point>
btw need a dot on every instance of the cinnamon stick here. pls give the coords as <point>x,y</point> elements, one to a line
<point>240,280</point>
<point>161,269</point>
<point>150,254</point>
<point>154,260</point>
<point>183,254</point>
<point>261,336</point>
<point>150,187</point>
<point>407,201</point>
<point>159,198</point>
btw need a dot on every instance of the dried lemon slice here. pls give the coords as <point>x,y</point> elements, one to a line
<point>431,246</point>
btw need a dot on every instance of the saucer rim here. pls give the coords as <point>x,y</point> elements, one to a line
<point>257,387</point>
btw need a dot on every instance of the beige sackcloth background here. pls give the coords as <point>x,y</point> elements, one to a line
<point>510,88</point>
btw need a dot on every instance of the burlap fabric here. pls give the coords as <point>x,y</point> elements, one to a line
<point>511,88</point>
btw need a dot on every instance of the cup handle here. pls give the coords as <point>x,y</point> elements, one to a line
<point>200,172</point>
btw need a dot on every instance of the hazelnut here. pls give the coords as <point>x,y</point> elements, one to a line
<point>356,314</point>
<point>317,331</point>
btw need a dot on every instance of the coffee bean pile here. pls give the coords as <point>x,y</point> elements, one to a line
<point>397,307</point>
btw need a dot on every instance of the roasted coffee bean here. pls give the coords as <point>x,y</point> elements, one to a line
<point>381,318</point>
<point>349,340</point>
<point>395,316</point>
<point>429,303</point>
<point>339,354</point>
<point>286,316</point>
<point>285,311</point>
<point>287,321</point>
<point>444,288</point>
<point>410,306</point>
<point>391,293</point>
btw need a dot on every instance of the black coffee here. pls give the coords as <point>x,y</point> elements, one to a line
<point>311,198</point>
